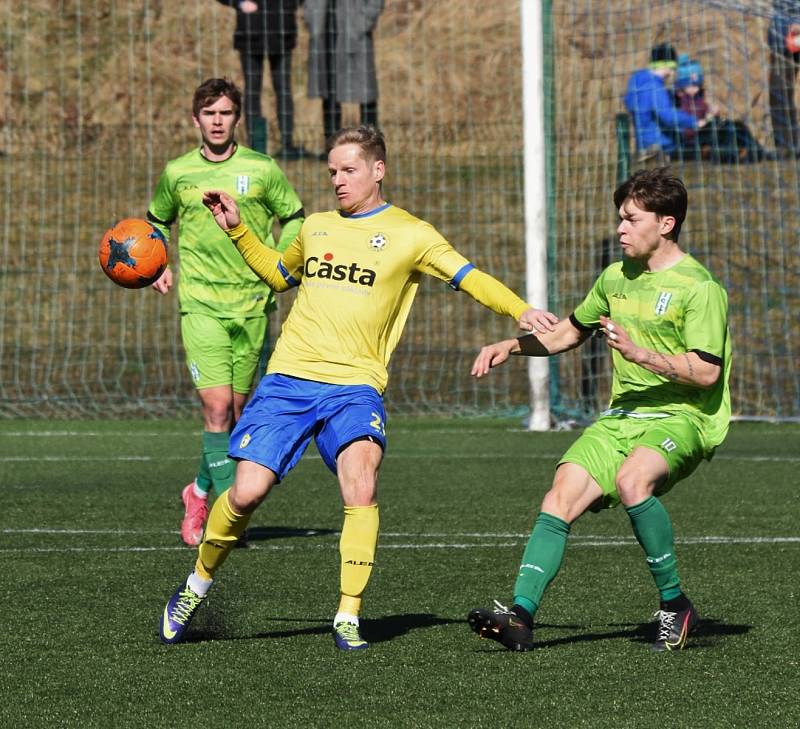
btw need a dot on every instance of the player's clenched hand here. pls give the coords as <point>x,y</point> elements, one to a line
<point>164,282</point>
<point>617,338</point>
<point>537,320</point>
<point>493,355</point>
<point>223,208</point>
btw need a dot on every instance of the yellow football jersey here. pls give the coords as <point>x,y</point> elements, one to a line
<point>357,278</point>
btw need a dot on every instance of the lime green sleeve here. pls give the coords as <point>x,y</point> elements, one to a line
<point>289,232</point>
<point>595,305</point>
<point>163,208</point>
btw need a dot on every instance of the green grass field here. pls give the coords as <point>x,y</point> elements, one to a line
<point>90,552</point>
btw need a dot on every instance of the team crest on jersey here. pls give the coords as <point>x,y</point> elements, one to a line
<point>245,440</point>
<point>378,242</point>
<point>663,302</point>
<point>242,184</point>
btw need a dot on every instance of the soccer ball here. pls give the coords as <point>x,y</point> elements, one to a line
<point>133,253</point>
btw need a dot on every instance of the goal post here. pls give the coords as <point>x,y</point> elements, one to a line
<point>532,13</point>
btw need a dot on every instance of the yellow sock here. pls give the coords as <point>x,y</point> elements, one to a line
<point>357,549</point>
<point>223,529</point>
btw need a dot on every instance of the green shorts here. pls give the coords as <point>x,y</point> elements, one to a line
<point>605,444</point>
<point>224,351</point>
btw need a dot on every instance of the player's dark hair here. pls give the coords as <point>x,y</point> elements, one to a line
<point>656,191</point>
<point>213,89</point>
<point>370,139</point>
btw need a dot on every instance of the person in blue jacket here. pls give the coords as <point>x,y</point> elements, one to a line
<point>658,123</point>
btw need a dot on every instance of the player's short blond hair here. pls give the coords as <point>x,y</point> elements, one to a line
<point>370,139</point>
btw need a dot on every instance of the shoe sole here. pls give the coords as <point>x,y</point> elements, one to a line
<point>347,647</point>
<point>343,645</point>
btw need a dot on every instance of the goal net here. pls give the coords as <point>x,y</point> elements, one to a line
<point>97,99</point>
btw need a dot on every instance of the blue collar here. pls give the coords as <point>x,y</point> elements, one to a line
<point>375,211</point>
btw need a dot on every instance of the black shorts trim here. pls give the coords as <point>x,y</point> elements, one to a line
<point>370,438</point>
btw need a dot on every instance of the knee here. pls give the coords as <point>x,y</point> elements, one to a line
<point>359,490</point>
<point>357,469</point>
<point>632,488</point>
<point>553,503</point>
<point>245,499</point>
<point>218,416</point>
<point>563,504</point>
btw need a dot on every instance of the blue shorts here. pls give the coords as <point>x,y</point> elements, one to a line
<point>286,412</point>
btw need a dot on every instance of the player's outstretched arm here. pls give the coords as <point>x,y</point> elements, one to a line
<point>495,295</point>
<point>688,368</point>
<point>493,355</point>
<point>561,337</point>
<point>262,260</point>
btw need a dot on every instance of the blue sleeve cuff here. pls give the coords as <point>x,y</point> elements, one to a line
<point>455,282</point>
<point>291,280</point>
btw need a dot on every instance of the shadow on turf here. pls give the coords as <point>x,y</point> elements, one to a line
<point>258,534</point>
<point>707,634</point>
<point>374,630</point>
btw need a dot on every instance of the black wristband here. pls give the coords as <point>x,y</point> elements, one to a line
<point>530,346</point>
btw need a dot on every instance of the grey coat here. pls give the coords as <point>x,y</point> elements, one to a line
<point>356,78</point>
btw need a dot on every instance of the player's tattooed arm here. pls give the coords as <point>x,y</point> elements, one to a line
<point>660,363</point>
<point>688,368</point>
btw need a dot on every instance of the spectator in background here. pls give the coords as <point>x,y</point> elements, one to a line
<point>720,140</point>
<point>267,28</point>
<point>341,58</point>
<point>783,38</point>
<point>657,122</point>
<point>690,93</point>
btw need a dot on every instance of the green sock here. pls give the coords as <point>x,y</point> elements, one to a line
<point>220,467</point>
<point>203,478</point>
<point>541,560</point>
<point>653,529</point>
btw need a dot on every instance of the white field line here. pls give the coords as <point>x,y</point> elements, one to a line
<point>486,541</point>
<point>184,433</point>
<point>390,455</point>
<point>594,539</point>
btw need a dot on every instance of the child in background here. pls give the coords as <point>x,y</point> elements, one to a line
<point>725,141</point>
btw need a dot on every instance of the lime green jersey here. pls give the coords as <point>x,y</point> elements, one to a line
<point>673,311</point>
<point>213,277</point>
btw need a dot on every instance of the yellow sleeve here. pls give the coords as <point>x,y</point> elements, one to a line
<point>266,263</point>
<point>438,258</point>
<point>487,290</point>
